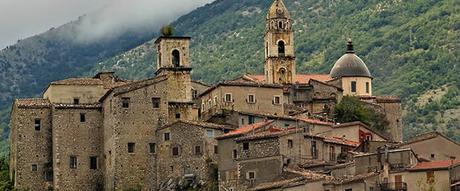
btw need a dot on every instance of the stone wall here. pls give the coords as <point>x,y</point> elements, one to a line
<point>393,115</point>
<point>136,124</point>
<point>67,93</point>
<point>31,147</point>
<point>186,137</point>
<point>83,140</point>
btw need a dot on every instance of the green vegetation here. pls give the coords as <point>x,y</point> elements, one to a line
<point>167,31</point>
<point>351,109</point>
<point>5,182</point>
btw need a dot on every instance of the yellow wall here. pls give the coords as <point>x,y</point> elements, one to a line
<point>67,93</point>
<point>418,180</point>
<point>360,86</point>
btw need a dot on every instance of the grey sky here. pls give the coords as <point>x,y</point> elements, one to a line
<point>20,19</point>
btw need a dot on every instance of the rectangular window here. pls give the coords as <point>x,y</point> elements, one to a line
<point>175,151</point>
<point>210,133</point>
<point>156,102</point>
<point>349,189</point>
<point>167,136</point>
<point>82,117</point>
<point>197,150</point>
<point>353,86</point>
<point>76,101</point>
<point>367,87</point>
<point>177,115</point>
<point>251,98</point>
<point>125,102</point>
<point>314,151</point>
<point>290,144</point>
<point>276,100</point>
<point>245,146</point>
<point>235,154</point>
<point>152,148</point>
<point>73,162</point>
<point>332,153</point>
<point>215,100</point>
<point>242,121</point>
<point>251,175</point>
<point>228,97</point>
<point>131,147</point>
<point>93,163</point>
<point>194,94</point>
<point>251,119</point>
<point>34,168</point>
<point>216,149</point>
<point>38,124</point>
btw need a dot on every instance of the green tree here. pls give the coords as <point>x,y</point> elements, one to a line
<point>351,109</point>
<point>167,31</point>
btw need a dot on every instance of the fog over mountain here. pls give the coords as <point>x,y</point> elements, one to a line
<point>104,18</point>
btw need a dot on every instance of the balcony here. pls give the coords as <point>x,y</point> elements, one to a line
<point>393,186</point>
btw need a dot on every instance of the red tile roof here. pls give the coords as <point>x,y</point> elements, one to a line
<point>436,165</point>
<point>314,121</point>
<point>341,141</point>
<point>246,129</point>
<point>301,78</point>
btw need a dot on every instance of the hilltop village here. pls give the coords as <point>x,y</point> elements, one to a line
<point>274,131</point>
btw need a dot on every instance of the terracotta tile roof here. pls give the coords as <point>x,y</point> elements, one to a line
<point>314,121</point>
<point>201,124</point>
<point>300,78</point>
<point>269,133</point>
<point>435,165</point>
<point>243,84</point>
<point>32,103</point>
<point>341,141</point>
<point>78,81</point>
<point>427,136</point>
<point>246,129</point>
<point>354,178</point>
<point>290,178</point>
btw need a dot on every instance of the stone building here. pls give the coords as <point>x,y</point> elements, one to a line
<point>97,133</point>
<point>427,146</point>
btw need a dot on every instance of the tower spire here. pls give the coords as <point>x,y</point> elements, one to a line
<point>350,46</point>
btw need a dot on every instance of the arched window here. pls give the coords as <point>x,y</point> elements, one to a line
<point>281,48</point>
<point>280,24</point>
<point>176,58</point>
<point>282,75</point>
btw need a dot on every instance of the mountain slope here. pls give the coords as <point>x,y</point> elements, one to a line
<point>411,48</point>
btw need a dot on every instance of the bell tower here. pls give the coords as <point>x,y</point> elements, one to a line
<point>279,46</point>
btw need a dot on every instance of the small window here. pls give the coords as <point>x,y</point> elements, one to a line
<point>210,133</point>
<point>245,146</point>
<point>177,115</point>
<point>216,149</point>
<point>251,175</point>
<point>34,168</point>
<point>131,147</point>
<point>82,117</point>
<point>332,153</point>
<point>76,101</point>
<point>286,125</point>
<point>349,189</point>
<point>156,103</point>
<point>281,48</point>
<point>228,97</point>
<point>125,102</point>
<point>251,119</point>
<point>276,100</point>
<point>314,151</point>
<point>167,136</point>
<point>251,98</point>
<point>235,154</point>
<point>290,143</point>
<point>280,24</point>
<point>194,94</point>
<point>93,163</point>
<point>353,86</point>
<point>38,124</point>
<point>242,121</point>
<point>152,148</point>
<point>175,151</point>
<point>367,87</point>
<point>215,100</point>
<point>432,156</point>
<point>73,162</point>
<point>197,150</point>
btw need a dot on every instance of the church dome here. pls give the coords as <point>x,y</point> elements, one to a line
<point>350,65</point>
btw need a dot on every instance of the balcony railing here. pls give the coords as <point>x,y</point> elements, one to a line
<point>393,186</point>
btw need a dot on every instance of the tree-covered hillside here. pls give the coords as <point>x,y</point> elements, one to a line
<point>411,48</point>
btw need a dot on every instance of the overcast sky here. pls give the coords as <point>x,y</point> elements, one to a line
<point>20,19</point>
